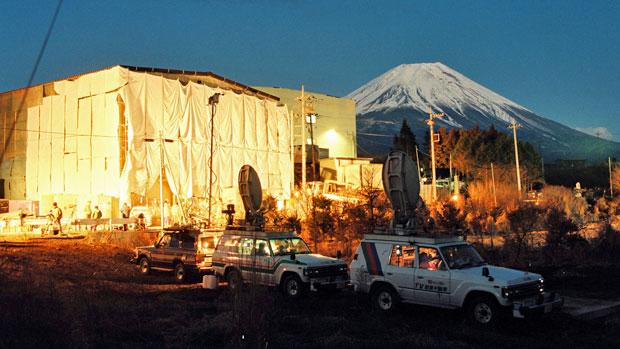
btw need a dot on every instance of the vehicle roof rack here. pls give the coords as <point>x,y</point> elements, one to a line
<point>412,239</point>
<point>260,233</point>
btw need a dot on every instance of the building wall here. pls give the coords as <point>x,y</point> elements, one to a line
<point>95,136</point>
<point>335,127</point>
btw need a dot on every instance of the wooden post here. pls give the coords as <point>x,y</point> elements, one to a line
<point>493,179</point>
<point>611,183</point>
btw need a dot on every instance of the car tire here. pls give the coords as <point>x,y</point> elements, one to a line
<point>483,311</point>
<point>384,299</point>
<point>233,277</point>
<point>292,287</point>
<point>180,273</point>
<point>145,266</point>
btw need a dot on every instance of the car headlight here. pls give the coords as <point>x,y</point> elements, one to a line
<point>542,285</point>
<point>506,292</point>
<point>311,271</point>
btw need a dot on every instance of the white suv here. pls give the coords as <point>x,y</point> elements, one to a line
<point>275,259</point>
<point>444,272</point>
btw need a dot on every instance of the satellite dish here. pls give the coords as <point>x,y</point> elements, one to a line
<point>402,186</point>
<point>250,190</point>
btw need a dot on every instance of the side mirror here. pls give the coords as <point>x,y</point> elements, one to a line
<point>293,257</point>
<point>156,245</point>
<point>485,272</point>
<point>338,254</point>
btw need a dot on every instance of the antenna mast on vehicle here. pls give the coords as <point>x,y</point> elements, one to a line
<point>402,186</point>
<point>251,193</point>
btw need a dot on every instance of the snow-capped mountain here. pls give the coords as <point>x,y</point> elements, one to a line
<point>408,90</point>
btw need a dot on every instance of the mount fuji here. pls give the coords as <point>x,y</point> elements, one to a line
<point>408,90</point>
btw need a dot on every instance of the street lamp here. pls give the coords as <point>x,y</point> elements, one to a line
<point>213,101</point>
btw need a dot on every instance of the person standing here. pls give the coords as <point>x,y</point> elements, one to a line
<point>57,214</point>
<point>166,216</point>
<point>176,214</point>
<point>125,210</point>
<point>88,212</point>
<point>96,215</point>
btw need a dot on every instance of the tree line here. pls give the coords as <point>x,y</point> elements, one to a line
<point>471,151</point>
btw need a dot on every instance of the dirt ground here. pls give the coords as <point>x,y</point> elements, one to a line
<point>60,293</point>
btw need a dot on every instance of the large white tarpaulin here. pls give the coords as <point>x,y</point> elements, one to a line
<point>104,134</point>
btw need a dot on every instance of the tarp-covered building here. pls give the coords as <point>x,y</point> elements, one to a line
<point>104,134</point>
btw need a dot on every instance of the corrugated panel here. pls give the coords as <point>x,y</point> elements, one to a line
<point>58,144</point>
<point>45,146</point>
<point>32,154</point>
<point>71,174</point>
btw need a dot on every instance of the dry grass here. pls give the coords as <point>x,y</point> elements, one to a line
<point>78,294</point>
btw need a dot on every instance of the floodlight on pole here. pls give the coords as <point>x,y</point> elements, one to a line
<point>213,101</point>
<point>514,126</point>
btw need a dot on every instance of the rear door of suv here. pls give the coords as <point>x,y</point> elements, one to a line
<point>400,269</point>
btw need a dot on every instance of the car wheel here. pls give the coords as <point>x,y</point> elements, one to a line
<point>292,287</point>
<point>384,299</point>
<point>145,266</point>
<point>483,311</point>
<point>180,273</point>
<point>234,280</point>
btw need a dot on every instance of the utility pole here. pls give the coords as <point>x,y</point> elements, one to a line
<point>514,126</point>
<point>311,120</point>
<point>450,165</point>
<point>493,179</point>
<point>430,123</point>
<point>417,160</point>
<point>303,139</point>
<point>611,183</point>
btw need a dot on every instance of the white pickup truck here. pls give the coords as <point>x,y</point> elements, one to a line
<point>445,272</point>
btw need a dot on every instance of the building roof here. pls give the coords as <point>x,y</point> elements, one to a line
<point>233,85</point>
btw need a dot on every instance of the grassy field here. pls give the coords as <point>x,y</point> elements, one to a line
<point>60,293</point>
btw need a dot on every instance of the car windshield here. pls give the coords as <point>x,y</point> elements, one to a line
<point>284,246</point>
<point>462,256</point>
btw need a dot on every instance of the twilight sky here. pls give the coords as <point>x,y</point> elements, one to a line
<point>557,58</point>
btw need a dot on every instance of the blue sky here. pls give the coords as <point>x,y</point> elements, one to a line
<point>557,58</point>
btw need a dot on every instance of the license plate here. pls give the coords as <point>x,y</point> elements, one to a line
<point>548,307</point>
<point>528,301</point>
<point>328,280</point>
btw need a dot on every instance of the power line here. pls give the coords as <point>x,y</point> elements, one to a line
<point>364,135</point>
<point>375,134</point>
<point>32,74</point>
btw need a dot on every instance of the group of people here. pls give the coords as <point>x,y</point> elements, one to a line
<point>171,215</point>
<point>55,216</point>
<point>94,213</point>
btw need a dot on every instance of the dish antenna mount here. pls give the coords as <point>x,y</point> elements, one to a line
<point>252,196</point>
<point>402,186</point>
